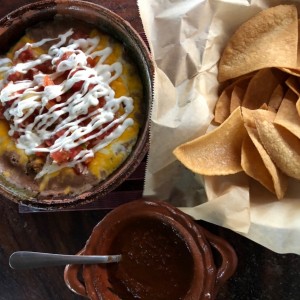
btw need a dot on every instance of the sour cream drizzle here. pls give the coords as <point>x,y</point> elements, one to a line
<point>67,116</point>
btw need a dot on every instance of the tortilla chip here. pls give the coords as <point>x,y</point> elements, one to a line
<point>260,88</point>
<point>223,105</point>
<point>222,108</point>
<point>291,71</point>
<point>282,146</point>
<point>250,116</point>
<point>287,115</point>
<point>237,95</point>
<point>217,152</point>
<point>276,97</point>
<point>293,83</point>
<point>257,164</point>
<point>298,106</point>
<point>269,39</point>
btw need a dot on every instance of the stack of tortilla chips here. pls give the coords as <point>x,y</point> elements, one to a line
<point>258,108</point>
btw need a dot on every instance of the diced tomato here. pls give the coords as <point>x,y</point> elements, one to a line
<point>80,35</point>
<point>15,77</point>
<point>16,135</point>
<point>26,55</point>
<point>60,133</point>
<point>65,56</point>
<point>77,85</point>
<point>61,78</point>
<point>60,156</point>
<point>2,110</point>
<point>63,156</point>
<point>50,103</point>
<point>47,81</point>
<point>46,67</point>
<point>29,75</point>
<point>91,62</point>
<point>75,151</point>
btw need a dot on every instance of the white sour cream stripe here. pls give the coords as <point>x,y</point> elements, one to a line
<point>26,97</point>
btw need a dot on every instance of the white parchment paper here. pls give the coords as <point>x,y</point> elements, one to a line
<point>186,38</point>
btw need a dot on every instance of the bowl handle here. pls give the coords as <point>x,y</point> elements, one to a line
<point>71,279</point>
<point>229,258</point>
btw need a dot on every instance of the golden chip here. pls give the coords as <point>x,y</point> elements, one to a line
<point>222,109</point>
<point>257,164</point>
<point>298,106</point>
<point>282,146</point>
<point>223,105</point>
<point>217,152</point>
<point>269,39</point>
<point>276,97</point>
<point>287,115</point>
<point>237,95</point>
<point>293,83</point>
<point>250,116</point>
<point>260,88</point>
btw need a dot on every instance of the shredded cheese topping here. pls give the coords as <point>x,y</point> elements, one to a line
<point>84,117</point>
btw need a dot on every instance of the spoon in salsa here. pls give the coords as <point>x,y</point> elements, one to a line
<point>28,260</point>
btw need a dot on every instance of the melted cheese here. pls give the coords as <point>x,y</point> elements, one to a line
<point>105,159</point>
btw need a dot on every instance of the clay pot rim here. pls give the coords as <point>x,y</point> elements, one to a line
<point>213,276</point>
<point>111,226</point>
<point>123,31</point>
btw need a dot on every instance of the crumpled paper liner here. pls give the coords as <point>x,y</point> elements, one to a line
<point>186,39</point>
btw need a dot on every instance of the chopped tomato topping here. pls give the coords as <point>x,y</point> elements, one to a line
<point>63,156</point>
<point>46,67</point>
<point>15,77</point>
<point>2,110</point>
<point>50,103</point>
<point>77,85</point>
<point>26,55</point>
<point>91,62</point>
<point>65,56</point>
<point>48,80</point>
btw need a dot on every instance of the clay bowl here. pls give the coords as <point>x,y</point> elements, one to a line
<point>165,255</point>
<point>13,26</point>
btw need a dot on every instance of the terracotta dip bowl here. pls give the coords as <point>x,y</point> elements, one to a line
<point>165,255</point>
<point>17,184</point>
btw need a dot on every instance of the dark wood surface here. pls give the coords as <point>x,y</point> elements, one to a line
<point>261,274</point>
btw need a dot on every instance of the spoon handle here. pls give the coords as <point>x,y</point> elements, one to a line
<point>28,260</point>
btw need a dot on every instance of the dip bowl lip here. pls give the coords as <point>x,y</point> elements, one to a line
<point>105,233</point>
<point>12,28</point>
<point>207,278</point>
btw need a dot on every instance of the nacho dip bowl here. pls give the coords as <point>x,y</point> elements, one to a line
<point>76,90</point>
<point>165,255</point>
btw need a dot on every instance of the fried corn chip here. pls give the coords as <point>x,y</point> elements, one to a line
<point>237,95</point>
<point>276,97</point>
<point>282,146</point>
<point>223,105</point>
<point>287,115</point>
<point>298,106</point>
<point>260,88</point>
<point>293,83</point>
<point>257,164</point>
<point>250,116</point>
<point>217,152</point>
<point>269,39</point>
<point>222,109</point>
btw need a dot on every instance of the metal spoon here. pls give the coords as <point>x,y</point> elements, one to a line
<point>27,260</point>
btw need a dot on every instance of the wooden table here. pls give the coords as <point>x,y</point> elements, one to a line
<point>261,274</point>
